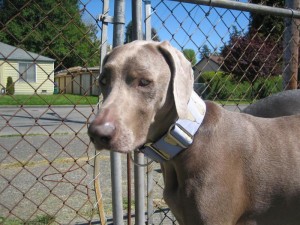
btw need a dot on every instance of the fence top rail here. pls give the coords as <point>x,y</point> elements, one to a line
<point>250,7</point>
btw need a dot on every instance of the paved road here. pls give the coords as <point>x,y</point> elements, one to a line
<point>44,120</point>
<point>39,145</point>
<point>57,119</point>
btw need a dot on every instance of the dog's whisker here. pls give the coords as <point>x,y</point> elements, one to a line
<point>96,177</point>
<point>96,204</point>
<point>94,156</point>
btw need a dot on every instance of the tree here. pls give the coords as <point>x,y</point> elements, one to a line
<point>250,57</point>
<point>265,24</point>
<point>52,29</point>
<point>10,86</point>
<point>154,35</point>
<point>259,52</point>
<point>129,31</point>
<point>190,55</point>
<point>205,51</point>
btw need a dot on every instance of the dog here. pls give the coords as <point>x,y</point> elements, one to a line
<point>219,167</point>
<point>284,103</point>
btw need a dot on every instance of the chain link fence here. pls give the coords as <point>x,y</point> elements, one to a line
<point>48,54</point>
<point>49,63</point>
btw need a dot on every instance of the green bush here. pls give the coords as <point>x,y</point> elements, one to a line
<point>208,76</point>
<point>10,86</point>
<point>264,87</point>
<point>222,86</point>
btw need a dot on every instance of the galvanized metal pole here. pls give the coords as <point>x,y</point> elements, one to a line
<point>249,7</point>
<point>148,19</point>
<point>137,33</point>
<point>119,22</point>
<point>150,210</point>
<point>116,169</point>
<point>103,51</point>
<point>139,173</point>
<point>291,48</point>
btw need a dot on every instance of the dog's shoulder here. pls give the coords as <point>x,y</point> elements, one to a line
<point>214,113</point>
<point>214,110</point>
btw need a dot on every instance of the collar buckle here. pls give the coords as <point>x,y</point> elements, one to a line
<point>177,135</point>
<point>163,155</point>
<point>180,135</point>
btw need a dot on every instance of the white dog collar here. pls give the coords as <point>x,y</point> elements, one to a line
<point>180,135</point>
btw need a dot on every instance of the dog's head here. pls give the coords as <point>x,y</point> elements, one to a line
<point>145,87</point>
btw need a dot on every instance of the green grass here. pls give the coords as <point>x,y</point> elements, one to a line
<point>39,220</point>
<point>59,99</point>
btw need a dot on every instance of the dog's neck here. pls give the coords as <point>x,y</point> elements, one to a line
<point>179,135</point>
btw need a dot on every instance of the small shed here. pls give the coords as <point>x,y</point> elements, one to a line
<point>31,73</point>
<point>78,80</point>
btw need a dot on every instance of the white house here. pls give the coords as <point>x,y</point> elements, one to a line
<point>31,73</point>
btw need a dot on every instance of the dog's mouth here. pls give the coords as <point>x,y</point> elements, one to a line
<point>116,145</point>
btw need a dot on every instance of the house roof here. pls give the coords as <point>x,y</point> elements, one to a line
<point>215,58</point>
<point>9,52</point>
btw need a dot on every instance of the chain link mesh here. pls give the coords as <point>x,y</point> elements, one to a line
<point>46,161</point>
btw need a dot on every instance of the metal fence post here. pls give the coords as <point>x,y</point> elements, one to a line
<point>291,48</point>
<point>149,167</point>
<point>104,32</point>
<point>139,177</point>
<point>116,169</point>
<point>103,49</point>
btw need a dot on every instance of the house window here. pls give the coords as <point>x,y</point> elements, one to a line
<point>27,72</point>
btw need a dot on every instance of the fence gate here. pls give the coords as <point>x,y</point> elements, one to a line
<point>49,63</point>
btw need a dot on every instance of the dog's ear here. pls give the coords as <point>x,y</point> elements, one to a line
<point>182,77</point>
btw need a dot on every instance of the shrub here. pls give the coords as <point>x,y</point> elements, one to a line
<point>264,87</point>
<point>222,86</point>
<point>10,86</point>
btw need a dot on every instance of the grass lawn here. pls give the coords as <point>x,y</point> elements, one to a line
<point>57,99</point>
<point>39,220</point>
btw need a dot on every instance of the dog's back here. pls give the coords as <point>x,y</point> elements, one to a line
<point>281,104</point>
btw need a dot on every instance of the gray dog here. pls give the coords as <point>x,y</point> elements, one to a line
<point>219,167</point>
<point>284,103</point>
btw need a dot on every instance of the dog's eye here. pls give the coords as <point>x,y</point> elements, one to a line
<point>144,82</point>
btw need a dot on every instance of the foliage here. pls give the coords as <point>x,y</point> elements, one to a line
<point>50,28</point>
<point>223,86</point>
<point>267,25</point>
<point>205,51</point>
<point>39,220</point>
<point>190,55</point>
<point>250,57</point>
<point>259,52</point>
<point>129,32</point>
<point>10,86</point>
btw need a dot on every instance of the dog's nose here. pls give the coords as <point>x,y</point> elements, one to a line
<point>102,133</point>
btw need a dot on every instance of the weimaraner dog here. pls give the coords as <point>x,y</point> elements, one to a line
<point>284,103</point>
<point>219,167</point>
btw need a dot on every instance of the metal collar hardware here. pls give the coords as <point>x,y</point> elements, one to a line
<point>180,134</point>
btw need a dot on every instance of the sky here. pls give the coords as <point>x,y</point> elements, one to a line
<point>184,25</point>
